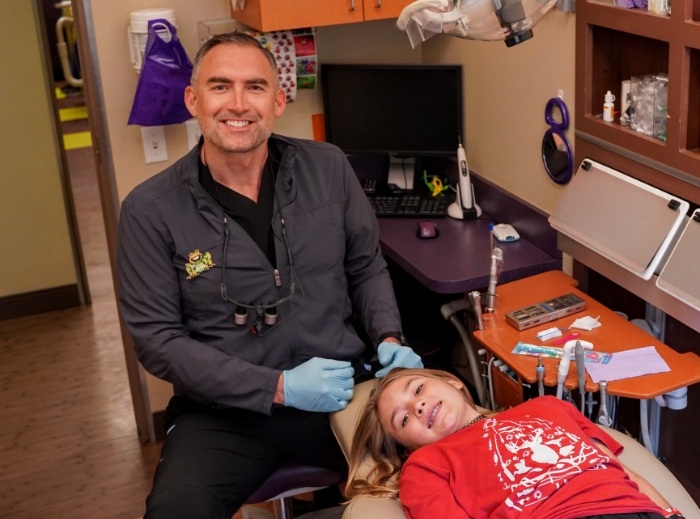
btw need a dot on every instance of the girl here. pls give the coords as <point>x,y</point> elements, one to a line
<point>540,459</point>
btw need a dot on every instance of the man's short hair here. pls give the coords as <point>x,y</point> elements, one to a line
<point>232,38</point>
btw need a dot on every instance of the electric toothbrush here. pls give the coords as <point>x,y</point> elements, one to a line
<point>464,208</point>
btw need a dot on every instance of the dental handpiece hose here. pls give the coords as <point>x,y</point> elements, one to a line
<point>580,373</point>
<point>496,261</point>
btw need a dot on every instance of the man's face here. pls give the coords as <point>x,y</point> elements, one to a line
<point>235,98</point>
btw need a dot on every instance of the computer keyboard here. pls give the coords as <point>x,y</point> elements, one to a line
<point>415,206</point>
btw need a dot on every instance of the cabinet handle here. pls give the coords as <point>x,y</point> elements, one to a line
<point>352,5</point>
<point>379,4</point>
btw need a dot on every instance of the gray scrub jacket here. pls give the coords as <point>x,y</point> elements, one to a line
<point>171,237</point>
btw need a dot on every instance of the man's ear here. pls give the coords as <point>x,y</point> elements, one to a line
<point>191,100</point>
<point>280,102</point>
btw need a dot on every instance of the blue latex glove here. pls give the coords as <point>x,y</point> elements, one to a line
<point>393,355</point>
<point>321,385</point>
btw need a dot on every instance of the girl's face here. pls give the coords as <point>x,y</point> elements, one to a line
<point>419,410</point>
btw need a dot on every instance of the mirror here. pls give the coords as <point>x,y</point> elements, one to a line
<point>557,156</point>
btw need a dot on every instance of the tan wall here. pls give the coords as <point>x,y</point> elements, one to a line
<point>34,239</point>
<point>119,77</point>
<point>506,91</point>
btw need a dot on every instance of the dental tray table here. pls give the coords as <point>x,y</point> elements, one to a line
<point>616,334</point>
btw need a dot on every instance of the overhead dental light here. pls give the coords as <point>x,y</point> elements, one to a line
<point>491,20</point>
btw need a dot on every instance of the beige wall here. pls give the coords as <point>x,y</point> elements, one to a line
<point>34,239</point>
<point>119,77</point>
<point>506,90</point>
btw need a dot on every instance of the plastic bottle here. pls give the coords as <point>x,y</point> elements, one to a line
<point>609,107</point>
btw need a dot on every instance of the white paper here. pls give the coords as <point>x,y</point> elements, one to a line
<point>628,364</point>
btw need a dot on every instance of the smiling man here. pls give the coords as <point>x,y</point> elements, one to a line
<point>243,269</point>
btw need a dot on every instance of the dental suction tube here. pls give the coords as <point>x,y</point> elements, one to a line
<point>565,362</point>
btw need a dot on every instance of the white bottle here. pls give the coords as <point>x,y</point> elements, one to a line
<point>609,107</point>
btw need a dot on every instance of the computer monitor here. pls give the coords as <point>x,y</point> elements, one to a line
<point>403,111</point>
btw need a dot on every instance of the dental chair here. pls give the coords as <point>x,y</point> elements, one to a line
<point>635,456</point>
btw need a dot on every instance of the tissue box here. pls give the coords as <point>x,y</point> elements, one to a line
<point>649,105</point>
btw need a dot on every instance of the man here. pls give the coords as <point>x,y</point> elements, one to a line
<point>241,268</point>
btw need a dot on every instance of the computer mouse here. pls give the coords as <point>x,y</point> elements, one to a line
<point>427,230</point>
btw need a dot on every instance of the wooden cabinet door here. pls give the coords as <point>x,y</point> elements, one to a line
<point>278,15</point>
<point>381,9</point>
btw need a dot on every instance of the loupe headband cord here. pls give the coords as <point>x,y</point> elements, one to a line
<point>259,307</point>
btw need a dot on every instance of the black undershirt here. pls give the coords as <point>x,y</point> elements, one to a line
<point>254,218</point>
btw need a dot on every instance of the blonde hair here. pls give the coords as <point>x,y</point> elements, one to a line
<point>387,455</point>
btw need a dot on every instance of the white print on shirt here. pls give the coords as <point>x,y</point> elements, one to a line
<point>536,457</point>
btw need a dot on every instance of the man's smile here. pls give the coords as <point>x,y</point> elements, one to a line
<point>237,124</point>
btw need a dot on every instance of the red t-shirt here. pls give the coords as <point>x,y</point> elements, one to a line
<point>536,460</point>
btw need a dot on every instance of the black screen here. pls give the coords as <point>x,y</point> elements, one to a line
<point>401,110</point>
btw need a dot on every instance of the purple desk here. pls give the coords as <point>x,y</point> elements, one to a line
<point>458,260</point>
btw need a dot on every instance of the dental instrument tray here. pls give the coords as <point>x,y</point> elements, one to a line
<point>545,311</point>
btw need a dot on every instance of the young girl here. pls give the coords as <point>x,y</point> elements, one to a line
<point>540,459</point>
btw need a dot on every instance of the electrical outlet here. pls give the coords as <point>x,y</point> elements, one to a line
<point>193,133</point>
<point>155,149</point>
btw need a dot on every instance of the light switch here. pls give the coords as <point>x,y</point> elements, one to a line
<point>155,148</point>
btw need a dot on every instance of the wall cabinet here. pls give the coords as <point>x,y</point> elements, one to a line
<point>616,43</point>
<point>273,15</point>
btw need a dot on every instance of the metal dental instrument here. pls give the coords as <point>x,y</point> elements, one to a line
<point>580,373</point>
<point>475,300</point>
<point>540,377</point>
<point>589,405</point>
<point>496,263</point>
<point>603,415</point>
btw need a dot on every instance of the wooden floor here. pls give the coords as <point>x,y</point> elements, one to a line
<point>68,441</point>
